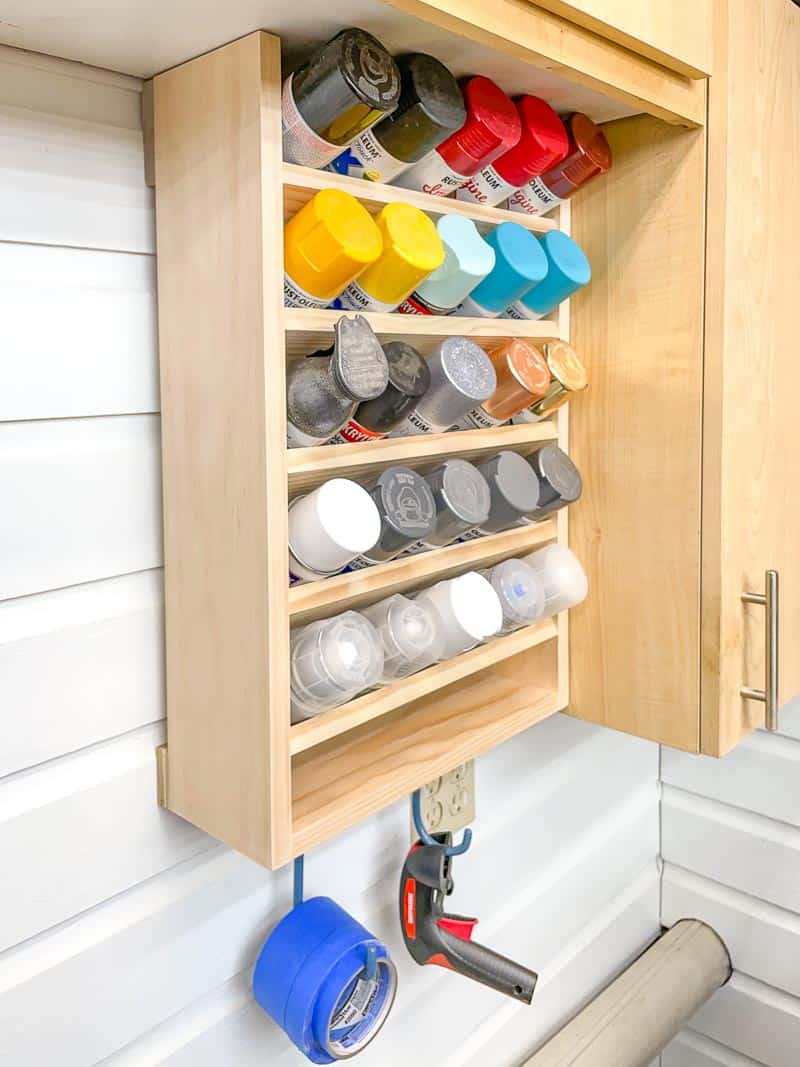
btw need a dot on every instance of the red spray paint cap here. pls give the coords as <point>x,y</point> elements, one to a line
<point>543,143</point>
<point>492,127</point>
<point>589,155</point>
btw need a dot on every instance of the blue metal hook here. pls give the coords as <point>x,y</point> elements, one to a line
<point>425,837</point>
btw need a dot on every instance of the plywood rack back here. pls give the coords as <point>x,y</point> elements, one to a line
<point>234,765</point>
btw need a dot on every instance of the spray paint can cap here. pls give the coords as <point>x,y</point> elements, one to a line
<point>331,661</point>
<point>589,155</point>
<point>491,128</point>
<point>467,610</point>
<point>522,377</point>
<point>430,109</point>
<point>568,376</point>
<point>329,241</point>
<point>346,86</point>
<point>412,248</point>
<point>406,506</point>
<point>564,579</point>
<point>462,376</point>
<point>514,488</point>
<point>468,259</point>
<point>520,264</point>
<point>332,524</point>
<point>542,144</point>
<point>560,481</point>
<point>358,364</point>
<point>409,379</point>
<point>409,633</point>
<point>463,500</point>
<point>520,591</point>
<point>568,270</point>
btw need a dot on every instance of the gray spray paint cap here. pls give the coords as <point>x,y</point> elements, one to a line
<point>463,500</point>
<point>560,481</point>
<point>514,487</point>
<point>407,510</point>
<point>462,376</point>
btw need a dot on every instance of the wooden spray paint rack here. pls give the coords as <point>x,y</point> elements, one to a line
<point>235,766</point>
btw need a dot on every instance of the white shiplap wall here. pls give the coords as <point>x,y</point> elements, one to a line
<point>731,845</point>
<point>126,935</point>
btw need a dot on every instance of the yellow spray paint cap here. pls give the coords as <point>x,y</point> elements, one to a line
<point>329,242</point>
<point>412,248</point>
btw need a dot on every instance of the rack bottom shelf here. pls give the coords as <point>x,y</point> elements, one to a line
<point>349,778</point>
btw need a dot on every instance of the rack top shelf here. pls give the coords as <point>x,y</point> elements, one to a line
<point>301,183</point>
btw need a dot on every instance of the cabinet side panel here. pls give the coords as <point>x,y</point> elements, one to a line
<point>751,507</point>
<point>217,120</point>
<point>636,433</point>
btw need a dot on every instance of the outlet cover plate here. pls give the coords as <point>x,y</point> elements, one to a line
<point>448,802</point>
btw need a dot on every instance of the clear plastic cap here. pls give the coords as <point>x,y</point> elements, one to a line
<point>564,579</point>
<point>467,611</point>
<point>331,661</point>
<point>408,631</point>
<point>520,590</point>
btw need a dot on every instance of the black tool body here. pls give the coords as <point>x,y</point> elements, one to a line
<point>434,937</point>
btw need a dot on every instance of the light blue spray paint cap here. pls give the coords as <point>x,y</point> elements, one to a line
<point>467,261</point>
<point>520,264</point>
<point>568,271</point>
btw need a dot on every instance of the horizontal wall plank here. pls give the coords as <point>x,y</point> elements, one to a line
<point>747,852</point>
<point>763,940</point>
<point>755,1020</point>
<point>82,501</point>
<point>694,1050</point>
<point>80,830</point>
<point>65,181</point>
<point>80,665</point>
<point>77,332</point>
<point>760,774</point>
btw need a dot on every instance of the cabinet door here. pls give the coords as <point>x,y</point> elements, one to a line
<point>751,469</point>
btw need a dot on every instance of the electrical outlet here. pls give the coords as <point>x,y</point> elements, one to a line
<point>448,803</point>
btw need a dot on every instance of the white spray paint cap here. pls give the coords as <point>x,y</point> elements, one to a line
<point>468,610</point>
<point>564,579</point>
<point>332,525</point>
<point>333,660</point>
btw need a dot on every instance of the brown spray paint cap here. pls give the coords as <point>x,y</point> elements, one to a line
<point>523,377</point>
<point>589,156</point>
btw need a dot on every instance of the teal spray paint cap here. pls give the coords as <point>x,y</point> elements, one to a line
<point>468,260</point>
<point>568,271</point>
<point>519,265</point>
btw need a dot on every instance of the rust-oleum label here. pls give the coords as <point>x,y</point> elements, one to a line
<point>378,164</point>
<point>533,199</point>
<point>487,187</point>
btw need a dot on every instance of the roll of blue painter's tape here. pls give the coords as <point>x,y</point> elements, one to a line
<point>311,978</point>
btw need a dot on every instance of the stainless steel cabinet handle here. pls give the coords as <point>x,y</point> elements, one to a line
<point>769,694</point>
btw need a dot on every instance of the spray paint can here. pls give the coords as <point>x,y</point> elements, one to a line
<point>409,379</point>
<point>543,143</point>
<point>326,245</point>
<point>467,610</point>
<point>560,482</point>
<point>514,490</point>
<point>519,590</point>
<point>468,258</point>
<point>520,263</point>
<point>588,156</point>
<point>562,576</point>
<point>328,527</point>
<point>462,376</point>
<point>430,109</point>
<point>412,248</point>
<point>322,394</point>
<point>331,661</point>
<point>492,127</point>
<point>522,378</point>
<point>567,377</point>
<point>344,88</point>
<point>568,271</point>
<point>463,501</point>
<point>409,633</point>
<point>407,513</point>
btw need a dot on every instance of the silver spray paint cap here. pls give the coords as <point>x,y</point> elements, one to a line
<point>462,500</point>
<point>462,376</point>
<point>560,481</point>
<point>407,510</point>
<point>514,488</point>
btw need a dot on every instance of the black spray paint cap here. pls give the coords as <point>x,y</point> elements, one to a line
<point>407,510</point>
<point>514,487</point>
<point>463,500</point>
<point>346,86</point>
<point>560,481</point>
<point>431,108</point>
<point>409,378</point>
